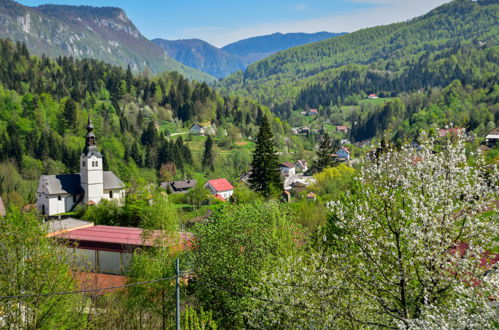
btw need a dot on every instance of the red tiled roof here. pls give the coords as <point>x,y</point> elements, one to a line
<point>106,235</point>
<point>220,185</point>
<point>288,165</point>
<point>313,110</point>
<point>453,131</point>
<point>341,128</point>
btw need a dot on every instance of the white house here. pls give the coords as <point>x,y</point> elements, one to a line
<point>197,129</point>
<point>287,169</point>
<point>220,187</point>
<point>343,154</point>
<point>62,192</point>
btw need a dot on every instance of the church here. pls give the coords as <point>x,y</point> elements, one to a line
<point>61,193</point>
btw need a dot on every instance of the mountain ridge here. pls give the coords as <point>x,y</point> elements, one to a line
<point>221,62</point>
<point>103,33</point>
<point>201,55</point>
<point>253,49</point>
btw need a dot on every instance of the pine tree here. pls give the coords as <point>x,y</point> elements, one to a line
<point>324,155</point>
<point>208,157</point>
<point>265,177</point>
<point>70,113</point>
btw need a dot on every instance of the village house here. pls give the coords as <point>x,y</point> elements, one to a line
<point>454,131</point>
<point>178,186</point>
<point>342,129</point>
<point>343,154</point>
<point>61,193</point>
<point>372,96</point>
<point>313,112</point>
<point>301,166</point>
<point>196,129</point>
<point>287,169</point>
<point>220,187</point>
<point>492,137</point>
<point>107,249</point>
<point>311,197</point>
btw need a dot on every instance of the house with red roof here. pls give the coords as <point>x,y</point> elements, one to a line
<point>342,129</point>
<point>372,96</point>
<point>287,169</point>
<point>221,187</point>
<point>109,249</point>
<point>453,131</point>
<point>313,112</point>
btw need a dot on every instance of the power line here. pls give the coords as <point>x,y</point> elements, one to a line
<point>84,291</point>
<point>249,296</point>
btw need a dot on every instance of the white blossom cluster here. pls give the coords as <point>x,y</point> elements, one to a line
<point>410,249</point>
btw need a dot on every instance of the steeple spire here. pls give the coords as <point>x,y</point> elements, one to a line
<point>90,144</point>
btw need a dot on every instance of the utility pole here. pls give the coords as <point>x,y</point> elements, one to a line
<point>177,291</point>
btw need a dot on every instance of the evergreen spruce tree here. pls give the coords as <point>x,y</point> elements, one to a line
<point>265,177</point>
<point>208,157</point>
<point>70,113</point>
<point>325,159</point>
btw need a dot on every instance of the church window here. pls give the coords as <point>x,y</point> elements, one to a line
<point>97,163</point>
<point>110,194</point>
<point>83,163</point>
<point>59,198</point>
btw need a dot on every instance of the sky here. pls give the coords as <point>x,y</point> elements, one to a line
<point>221,22</point>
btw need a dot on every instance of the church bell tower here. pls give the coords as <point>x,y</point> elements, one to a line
<point>91,174</point>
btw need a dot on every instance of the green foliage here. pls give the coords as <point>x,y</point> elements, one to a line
<point>233,248</point>
<point>265,176</point>
<point>193,319</point>
<point>30,263</point>
<point>325,158</point>
<point>208,156</point>
<point>333,182</point>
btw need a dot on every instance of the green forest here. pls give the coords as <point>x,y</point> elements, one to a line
<point>45,103</point>
<point>419,62</point>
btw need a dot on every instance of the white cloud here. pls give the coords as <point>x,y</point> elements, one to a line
<point>384,12</point>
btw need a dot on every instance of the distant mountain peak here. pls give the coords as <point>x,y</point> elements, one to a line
<point>103,33</point>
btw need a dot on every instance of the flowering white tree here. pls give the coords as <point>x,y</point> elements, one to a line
<point>408,246</point>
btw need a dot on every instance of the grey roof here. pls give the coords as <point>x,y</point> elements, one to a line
<point>2,208</point>
<point>179,185</point>
<point>71,183</point>
<point>184,184</point>
<point>60,184</point>
<point>111,181</point>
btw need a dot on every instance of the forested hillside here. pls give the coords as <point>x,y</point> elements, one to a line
<point>44,106</point>
<point>103,33</point>
<point>455,44</point>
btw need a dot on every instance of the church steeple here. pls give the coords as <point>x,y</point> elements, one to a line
<point>91,171</point>
<point>90,144</point>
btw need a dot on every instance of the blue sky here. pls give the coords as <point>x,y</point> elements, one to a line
<point>223,21</point>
